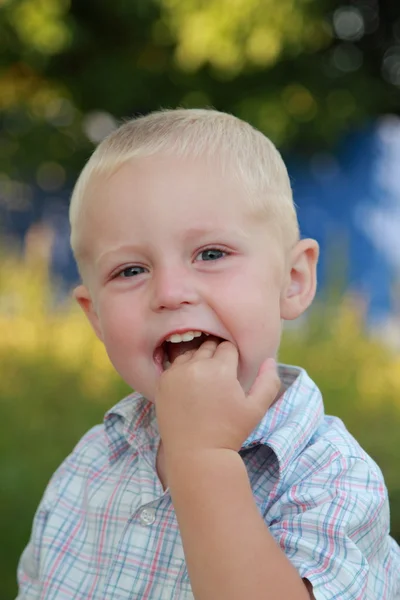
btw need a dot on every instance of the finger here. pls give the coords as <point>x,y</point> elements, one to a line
<point>206,350</point>
<point>267,385</point>
<point>228,353</point>
<point>183,358</point>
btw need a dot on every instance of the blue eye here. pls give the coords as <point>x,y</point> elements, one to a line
<point>212,254</point>
<point>130,272</point>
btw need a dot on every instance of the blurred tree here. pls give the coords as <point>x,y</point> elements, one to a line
<point>232,35</point>
<point>303,71</point>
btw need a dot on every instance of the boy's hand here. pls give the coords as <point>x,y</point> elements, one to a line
<point>201,405</point>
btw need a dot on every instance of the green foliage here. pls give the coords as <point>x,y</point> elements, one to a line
<point>56,383</point>
<point>40,25</point>
<point>231,35</point>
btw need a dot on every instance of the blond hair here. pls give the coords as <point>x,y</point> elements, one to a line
<point>241,151</point>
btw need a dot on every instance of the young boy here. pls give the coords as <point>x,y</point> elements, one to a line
<point>216,479</point>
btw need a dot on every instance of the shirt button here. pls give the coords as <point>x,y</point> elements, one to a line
<point>147,516</point>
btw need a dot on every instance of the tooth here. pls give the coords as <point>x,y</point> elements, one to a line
<point>174,338</point>
<point>166,364</point>
<point>188,336</point>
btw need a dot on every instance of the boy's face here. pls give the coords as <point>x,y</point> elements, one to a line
<point>171,245</point>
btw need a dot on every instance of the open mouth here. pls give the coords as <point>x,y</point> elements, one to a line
<point>177,345</point>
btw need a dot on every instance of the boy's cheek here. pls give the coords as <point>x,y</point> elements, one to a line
<point>137,372</point>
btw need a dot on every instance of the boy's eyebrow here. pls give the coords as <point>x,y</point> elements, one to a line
<point>194,232</point>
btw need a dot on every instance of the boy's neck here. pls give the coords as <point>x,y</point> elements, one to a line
<point>160,466</point>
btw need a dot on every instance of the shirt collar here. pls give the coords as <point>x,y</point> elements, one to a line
<point>292,420</point>
<point>286,428</point>
<point>130,423</point>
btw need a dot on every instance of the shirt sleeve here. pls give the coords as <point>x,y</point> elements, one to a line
<point>30,566</point>
<point>333,525</point>
<point>28,572</point>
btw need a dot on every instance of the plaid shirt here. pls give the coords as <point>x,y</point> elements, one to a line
<point>106,530</point>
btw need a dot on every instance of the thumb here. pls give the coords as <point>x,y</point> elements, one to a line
<point>266,386</point>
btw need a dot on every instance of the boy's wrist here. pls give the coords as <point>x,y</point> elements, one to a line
<point>205,464</point>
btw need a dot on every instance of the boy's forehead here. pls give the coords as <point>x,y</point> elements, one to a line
<point>153,172</point>
<point>176,190</point>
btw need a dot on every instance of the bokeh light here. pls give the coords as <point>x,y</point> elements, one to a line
<point>391,65</point>
<point>299,102</point>
<point>60,112</point>
<point>347,57</point>
<point>348,23</point>
<point>51,176</point>
<point>15,195</point>
<point>97,125</point>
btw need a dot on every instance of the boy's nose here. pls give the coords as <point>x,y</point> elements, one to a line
<point>171,289</point>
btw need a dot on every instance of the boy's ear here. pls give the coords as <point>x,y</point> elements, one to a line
<point>84,299</point>
<point>301,284</point>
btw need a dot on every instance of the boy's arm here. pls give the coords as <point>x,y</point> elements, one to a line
<point>28,573</point>
<point>204,416</point>
<point>229,550</point>
<point>29,586</point>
